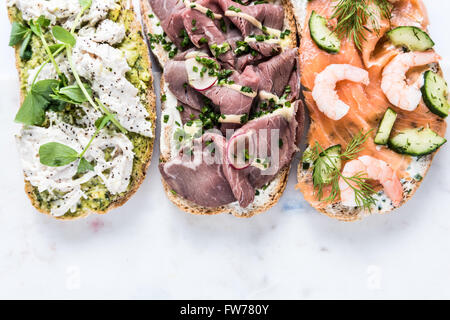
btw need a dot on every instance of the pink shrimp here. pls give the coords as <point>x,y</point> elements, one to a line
<point>394,85</point>
<point>324,92</point>
<point>375,170</point>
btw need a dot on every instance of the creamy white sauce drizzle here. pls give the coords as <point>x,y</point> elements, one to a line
<point>64,10</point>
<point>107,31</point>
<point>238,88</point>
<point>202,9</point>
<point>170,112</point>
<point>286,111</point>
<point>61,179</point>
<point>231,118</point>
<point>106,67</point>
<point>253,21</point>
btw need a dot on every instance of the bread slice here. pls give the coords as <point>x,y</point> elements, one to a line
<point>268,197</point>
<point>337,210</point>
<point>140,163</point>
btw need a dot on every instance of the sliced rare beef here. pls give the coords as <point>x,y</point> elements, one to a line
<point>202,182</point>
<point>242,60</point>
<point>229,100</point>
<point>170,13</point>
<point>200,26</point>
<point>187,113</point>
<point>270,15</point>
<point>216,181</point>
<point>267,49</point>
<point>204,30</point>
<point>176,76</point>
<point>276,73</point>
<point>232,101</point>
<point>285,146</point>
<point>294,85</point>
<point>255,65</point>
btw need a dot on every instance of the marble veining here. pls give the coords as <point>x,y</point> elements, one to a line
<point>149,249</point>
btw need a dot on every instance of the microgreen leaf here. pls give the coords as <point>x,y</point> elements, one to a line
<point>45,87</point>
<point>36,102</point>
<point>103,121</point>
<point>55,47</point>
<point>85,4</point>
<point>26,52</point>
<point>55,154</point>
<point>32,111</point>
<point>37,25</point>
<point>75,93</point>
<point>63,35</point>
<point>84,166</point>
<point>18,33</point>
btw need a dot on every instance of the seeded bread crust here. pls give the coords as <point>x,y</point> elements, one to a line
<point>278,185</point>
<point>135,27</point>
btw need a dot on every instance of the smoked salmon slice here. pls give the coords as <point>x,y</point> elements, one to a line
<point>368,104</point>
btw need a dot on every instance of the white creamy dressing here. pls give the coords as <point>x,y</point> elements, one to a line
<point>284,43</point>
<point>105,66</point>
<point>253,39</point>
<point>238,88</point>
<point>265,196</point>
<point>253,21</point>
<point>49,72</point>
<point>168,146</point>
<point>64,11</point>
<point>155,28</point>
<point>231,118</point>
<point>200,8</point>
<point>95,58</point>
<point>287,112</point>
<point>107,31</point>
<point>61,179</point>
<point>418,167</point>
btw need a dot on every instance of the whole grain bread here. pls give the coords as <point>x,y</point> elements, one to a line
<point>33,193</point>
<point>304,175</point>
<point>276,188</point>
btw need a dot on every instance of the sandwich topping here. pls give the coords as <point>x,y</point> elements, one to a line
<point>377,100</point>
<point>86,124</point>
<point>231,97</point>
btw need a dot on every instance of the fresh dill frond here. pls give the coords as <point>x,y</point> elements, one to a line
<point>353,16</point>
<point>356,145</point>
<point>359,183</point>
<point>363,190</point>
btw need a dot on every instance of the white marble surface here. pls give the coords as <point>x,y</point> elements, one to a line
<point>149,249</point>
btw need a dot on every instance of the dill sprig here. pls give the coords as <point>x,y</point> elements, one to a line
<point>356,145</point>
<point>358,182</point>
<point>353,16</point>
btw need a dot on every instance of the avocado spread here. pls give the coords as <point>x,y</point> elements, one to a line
<point>97,198</point>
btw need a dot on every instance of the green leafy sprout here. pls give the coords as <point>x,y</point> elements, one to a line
<point>55,94</point>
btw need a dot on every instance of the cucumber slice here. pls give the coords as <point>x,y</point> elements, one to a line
<point>322,35</point>
<point>435,92</point>
<point>384,131</point>
<point>413,38</point>
<point>323,166</point>
<point>416,142</point>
